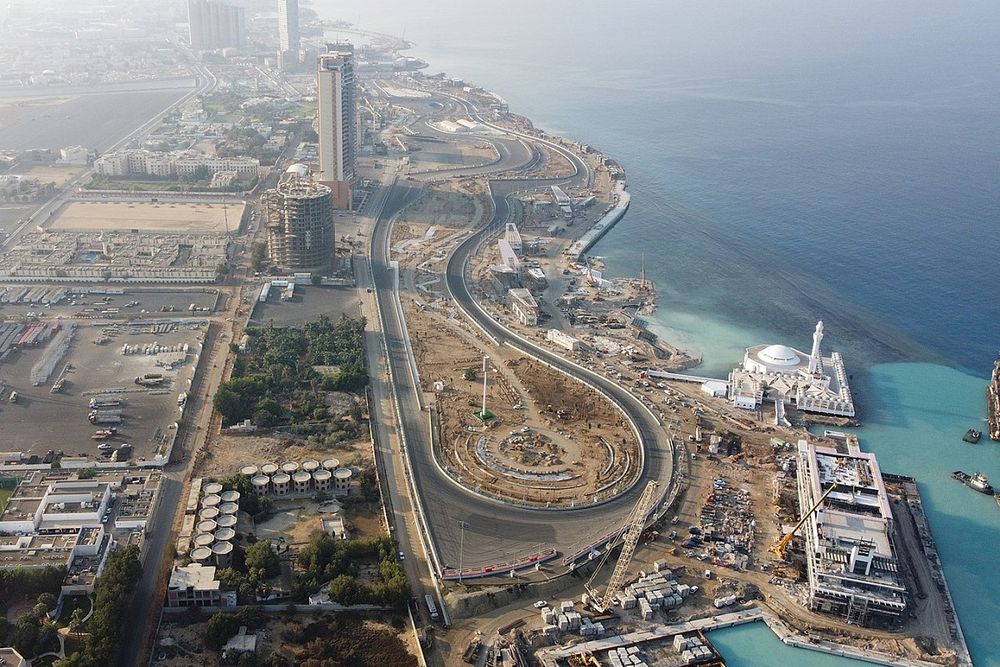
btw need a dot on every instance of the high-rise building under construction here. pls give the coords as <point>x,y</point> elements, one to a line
<point>299,215</point>
<point>336,127</point>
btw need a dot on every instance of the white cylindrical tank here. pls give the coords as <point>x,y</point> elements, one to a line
<point>341,480</point>
<point>331,464</point>
<point>289,467</point>
<point>310,465</point>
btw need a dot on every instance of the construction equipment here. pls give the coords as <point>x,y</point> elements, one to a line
<point>781,545</point>
<point>634,524</point>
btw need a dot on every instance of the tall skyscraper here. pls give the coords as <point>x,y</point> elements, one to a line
<point>337,130</point>
<point>299,214</point>
<point>288,33</point>
<point>216,25</point>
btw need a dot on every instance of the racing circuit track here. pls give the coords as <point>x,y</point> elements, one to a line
<point>495,532</point>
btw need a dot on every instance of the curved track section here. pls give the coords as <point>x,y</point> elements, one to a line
<point>467,529</point>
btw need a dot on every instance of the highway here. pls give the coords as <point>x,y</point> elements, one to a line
<point>494,532</point>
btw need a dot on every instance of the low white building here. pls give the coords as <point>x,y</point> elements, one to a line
<point>562,340</point>
<point>75,155</point>
<point>810,382</point>
<point>524,306</point>
<point>194,585</point>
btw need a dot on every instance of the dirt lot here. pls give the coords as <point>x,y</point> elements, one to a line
<point>376,639</point>
<point>147,217</point>
<point>552,440</point>
<point>41,420</point>
<point>231,452</point>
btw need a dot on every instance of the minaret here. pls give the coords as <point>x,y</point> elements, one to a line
<point>815,360</point>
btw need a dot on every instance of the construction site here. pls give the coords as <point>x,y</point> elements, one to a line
<point>119,241</point>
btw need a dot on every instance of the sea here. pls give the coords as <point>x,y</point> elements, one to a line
<point>789,161</point>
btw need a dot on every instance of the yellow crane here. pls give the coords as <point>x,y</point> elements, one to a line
<point>634,524</point>
<point>781,545</point>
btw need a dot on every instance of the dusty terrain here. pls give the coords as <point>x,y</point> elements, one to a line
<point>165,217</point>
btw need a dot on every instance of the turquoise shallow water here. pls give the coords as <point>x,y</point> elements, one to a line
<point>915,416</point>
<point>789,160</point>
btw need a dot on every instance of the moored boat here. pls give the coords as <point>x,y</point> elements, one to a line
<point>976,482</point>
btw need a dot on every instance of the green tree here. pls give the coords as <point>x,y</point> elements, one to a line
<point>260,556</point>
<point>258,256</point>
<point>470,374</point>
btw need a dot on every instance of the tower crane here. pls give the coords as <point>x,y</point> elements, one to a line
<point>634,524</point>
<point>781,545</point>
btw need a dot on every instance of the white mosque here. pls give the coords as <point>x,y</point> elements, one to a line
<point>786,376</point>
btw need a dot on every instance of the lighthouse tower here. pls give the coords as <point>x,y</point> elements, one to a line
<point>815,359</point>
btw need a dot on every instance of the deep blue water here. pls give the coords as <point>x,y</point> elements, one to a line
<point>789,160</point>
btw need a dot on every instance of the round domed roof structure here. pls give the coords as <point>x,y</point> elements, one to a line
<point>204,540</point>
<point>207,526</point>
<point>213,487</point>
<point>301,476</point>
<point>281,478</point>
<point>220,548</point>
<point>249,470</point>
<point>779,355</point>
<point>211,500</point>
<point>230,496</point>
<point>226,521</point>
<point>342,473</point>
<point>229,508</point>
<point>289,467</point>
<point>260,480</point>
<point>269,468</point>
<point>331,464</point>
<point>309,465</point>
<point>322,475</point>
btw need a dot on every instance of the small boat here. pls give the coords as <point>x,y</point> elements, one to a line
<point>976,482</point>
<point>972,435</point>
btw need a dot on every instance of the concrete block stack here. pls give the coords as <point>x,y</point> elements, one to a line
<point>626,657</point>
<point>548,616</point>
<point>692,649</point>
<point>565,606</point>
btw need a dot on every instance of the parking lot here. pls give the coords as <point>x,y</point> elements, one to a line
<point>93,302</point>
<point>40,420</point>
<point>308,304</point>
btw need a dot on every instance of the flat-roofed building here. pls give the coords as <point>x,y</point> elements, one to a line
<point>11,658</point>
<point>524,306</point>
<point>194,585</point>
<point>851,560</point>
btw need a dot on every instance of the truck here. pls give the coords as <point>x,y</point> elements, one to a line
<point>431,607</point>
<point>105,402</point>
<point>105,417</point>
<point>182,399</point>
<point>150,380</point>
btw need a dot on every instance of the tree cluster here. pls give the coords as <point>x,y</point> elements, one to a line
<point>28,634</point>
<point>222,626</point>
<point>114,591</point>
<point>275,382</point>
<point>327,560</point>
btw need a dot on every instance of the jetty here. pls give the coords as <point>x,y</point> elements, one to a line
<point>993,403</point>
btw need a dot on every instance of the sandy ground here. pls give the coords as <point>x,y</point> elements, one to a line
<point>166,217</point>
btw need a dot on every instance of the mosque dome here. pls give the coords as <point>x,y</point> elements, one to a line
<point>779,355</point>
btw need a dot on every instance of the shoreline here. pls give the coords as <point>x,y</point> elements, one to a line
<point>795,638</point>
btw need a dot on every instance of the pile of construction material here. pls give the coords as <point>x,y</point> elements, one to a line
<point>626,657</point>
<point>656,590</point>
<point>568,620</point>
<point>692,649</point>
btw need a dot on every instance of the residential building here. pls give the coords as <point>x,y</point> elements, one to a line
<point>214,24</point>
<point>194,585</point>
<point>140,162</point>
<point>288,34</point>
<point>336,102</point>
